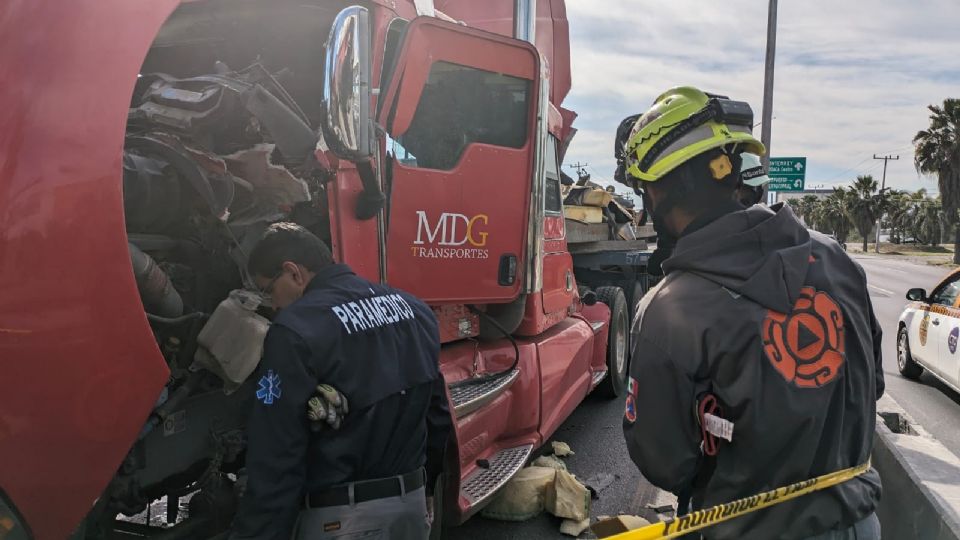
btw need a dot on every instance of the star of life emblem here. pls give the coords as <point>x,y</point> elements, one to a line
<point>269,390</point>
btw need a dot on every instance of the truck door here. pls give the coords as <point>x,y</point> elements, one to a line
<point>460,117</point>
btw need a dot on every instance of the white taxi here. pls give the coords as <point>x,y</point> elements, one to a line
<point>929,331</point>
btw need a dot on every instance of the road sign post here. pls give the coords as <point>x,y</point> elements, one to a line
<point>787,174</point>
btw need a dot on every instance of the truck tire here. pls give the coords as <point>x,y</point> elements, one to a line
<point>618,339</point>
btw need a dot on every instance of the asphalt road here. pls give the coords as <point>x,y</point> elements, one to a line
<point>594,432</point>
<point>930,402</point>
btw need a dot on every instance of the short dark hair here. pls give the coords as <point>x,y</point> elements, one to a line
<point>288,242</point>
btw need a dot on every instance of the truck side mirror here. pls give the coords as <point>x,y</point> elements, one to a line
<point>917,295</point>
<point>346,86</point>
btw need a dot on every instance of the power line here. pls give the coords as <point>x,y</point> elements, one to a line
<point>863,172</point>
<point>900,149</point>
<point>885,160</point>
<point>593,173</point>
<point>851,169</point>
<point>581,169</point>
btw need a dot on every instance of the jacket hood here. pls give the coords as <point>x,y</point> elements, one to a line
<point>761,253</point>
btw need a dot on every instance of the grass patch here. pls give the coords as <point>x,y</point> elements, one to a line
<point>902,249</point>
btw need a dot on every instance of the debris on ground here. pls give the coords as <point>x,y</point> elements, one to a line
<point>609,526</point>
<point>561,449</point>
<point>550,461</point>
<point>662,509</point>
<point>598,483</point>
<point>574,528</point>
<point>568,498</point>
<point>547,485</point>
<point>524,495</point>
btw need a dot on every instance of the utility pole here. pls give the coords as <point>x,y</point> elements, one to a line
<point>581,170</point>
<point>883,185</point>
<point>768,81</point>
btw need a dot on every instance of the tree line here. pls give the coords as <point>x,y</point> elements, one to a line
<point>909,215</point>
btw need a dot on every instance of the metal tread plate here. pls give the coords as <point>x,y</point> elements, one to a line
<point>469,396</point>
<point>483,483</point>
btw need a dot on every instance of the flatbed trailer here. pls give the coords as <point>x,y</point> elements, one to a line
<point>599,261</point>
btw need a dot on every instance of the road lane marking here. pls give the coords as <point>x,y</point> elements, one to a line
<point>880,289</point>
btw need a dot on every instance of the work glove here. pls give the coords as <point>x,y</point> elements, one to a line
<point>326,408</point>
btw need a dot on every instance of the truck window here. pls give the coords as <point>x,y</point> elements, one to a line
<point>391,47</point>
<point>552,185</point>
<point>461,105</point>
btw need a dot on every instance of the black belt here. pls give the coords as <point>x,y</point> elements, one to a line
<point>367,490</point>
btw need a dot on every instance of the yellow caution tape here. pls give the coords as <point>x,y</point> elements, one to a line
<point>707,517</point>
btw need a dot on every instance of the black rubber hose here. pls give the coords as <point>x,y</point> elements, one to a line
<point>170,321</point>
<point>491,376</point>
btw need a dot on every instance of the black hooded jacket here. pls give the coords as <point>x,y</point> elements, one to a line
<point>775,321</point>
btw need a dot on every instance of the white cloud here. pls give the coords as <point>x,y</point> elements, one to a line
<point>852,78</point>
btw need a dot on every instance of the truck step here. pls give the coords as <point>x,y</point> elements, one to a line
<point>483,483</point>
<point>597,325</point>
<point>469,395</point>
<point>599,376</point>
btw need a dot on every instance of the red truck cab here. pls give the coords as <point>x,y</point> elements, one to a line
<point>143,148</point>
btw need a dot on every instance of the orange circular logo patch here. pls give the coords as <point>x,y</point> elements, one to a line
<point>806,346</point>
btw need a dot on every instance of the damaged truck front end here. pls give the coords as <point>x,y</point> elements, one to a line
<point>210,160</point>
<point>222,137</point>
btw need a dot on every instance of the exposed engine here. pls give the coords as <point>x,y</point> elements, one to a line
<point>209,162</point>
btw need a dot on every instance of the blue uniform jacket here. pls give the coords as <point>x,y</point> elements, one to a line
<point>380,347</point>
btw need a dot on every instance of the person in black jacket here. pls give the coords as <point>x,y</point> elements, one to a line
<point>665,240</point>
<point>764,325</point>
<point>378,347</point>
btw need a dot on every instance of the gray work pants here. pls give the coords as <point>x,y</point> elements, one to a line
<point>867,528</point>
<point>402,517</point>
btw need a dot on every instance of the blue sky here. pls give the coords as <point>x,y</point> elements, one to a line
<point>853,79</point>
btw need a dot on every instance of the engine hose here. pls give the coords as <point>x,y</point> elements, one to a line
<point>170,321</point>
<point>156,291</point>
<point>491,376</point>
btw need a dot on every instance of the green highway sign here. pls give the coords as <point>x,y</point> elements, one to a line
<point>787,174</point>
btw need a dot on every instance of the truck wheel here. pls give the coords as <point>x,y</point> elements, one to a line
<point>908,368</point>
<point>618,338</point>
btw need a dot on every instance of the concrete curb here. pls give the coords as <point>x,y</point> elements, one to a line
<point>921,478</point>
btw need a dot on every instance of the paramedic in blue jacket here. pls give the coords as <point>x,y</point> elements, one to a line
<point>379,348</point>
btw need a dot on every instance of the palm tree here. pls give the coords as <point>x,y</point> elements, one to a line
<point>937,151</point>
<point>806,209</point>
<point>865,205</point>
<point>831,215</point>
<point>928,222</point>
<point>795,205</point>
<point>898,205</point>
